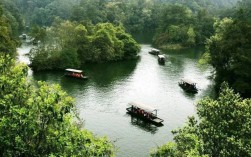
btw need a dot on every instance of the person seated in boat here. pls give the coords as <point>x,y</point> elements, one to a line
<point>151,116</point>
<point>133,109</point>
<point>146,114</point>
<point>142,112</point>
<point>136,110</point>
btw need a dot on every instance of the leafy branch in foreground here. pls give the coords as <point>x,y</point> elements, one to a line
<point>40,121</point>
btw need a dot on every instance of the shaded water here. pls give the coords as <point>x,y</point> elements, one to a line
<point>102,100</point>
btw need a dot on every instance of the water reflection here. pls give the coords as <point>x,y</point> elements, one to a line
<point>143,125</point>
<point>106,74</point>
<point>188,94</point>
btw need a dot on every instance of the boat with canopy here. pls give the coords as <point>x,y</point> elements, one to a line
<point>145,112</point>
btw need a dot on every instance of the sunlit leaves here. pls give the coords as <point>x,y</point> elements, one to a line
<point>40,121</point>
<point>224,122</point>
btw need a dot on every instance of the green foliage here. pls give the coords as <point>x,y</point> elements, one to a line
<point>187,143</point>
<point>225,124</point>
<point>40,121</point>
<point>179,25</point>
<point>70,44</point>
<point>229,51</point>
<point>191,36</point>
<point>38,33</point>
<point>244,9</point>
<point>12,14</point>
<point>7,42</point>
<point>223,129</point>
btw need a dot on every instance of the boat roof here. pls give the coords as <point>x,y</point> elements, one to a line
<point>153,49</point>
<point>161,56</point>
<point>188,81</point>
<point>142,106</point>
<point>74,70</point>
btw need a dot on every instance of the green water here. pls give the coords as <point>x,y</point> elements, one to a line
<point>102,100</point>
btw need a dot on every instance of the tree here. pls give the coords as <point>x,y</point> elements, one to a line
<point>229,51</point>
<point>223,129</point>
<point>70,44</point>
<point>175,26</point>
<point>191,36</point>
<point>187,143</point>
<point>40,121</point>
<point>7,43</point>
<point>38,33</point>
<point>225,125</point>
<point>12,14</point>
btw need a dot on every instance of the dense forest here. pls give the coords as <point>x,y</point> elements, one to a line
<point>73,33</point>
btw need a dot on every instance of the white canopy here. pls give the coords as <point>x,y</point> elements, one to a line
<point>188,81</point>
<point>161,56</point>
<point>153,49</point>
<point>142,106</point>
<point>74,70</point>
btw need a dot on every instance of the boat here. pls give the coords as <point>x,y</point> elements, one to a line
<point>23,36</point>
<point>154,51</point>
<point>144,112</point>
<point>161,59</point>
<point>188,85</point>
<point>75,73</point>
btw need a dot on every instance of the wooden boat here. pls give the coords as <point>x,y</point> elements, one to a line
<point>144,112</point>
<point>154,51</point>
<point>161,59</point>
<point>23,36</point>
<point>188,86</point>
<point>75,73</point>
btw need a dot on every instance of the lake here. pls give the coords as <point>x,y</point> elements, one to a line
<point>102,100</point>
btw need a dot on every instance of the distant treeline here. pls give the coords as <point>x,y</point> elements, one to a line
<point>186,23</point>
<point>136,15</point>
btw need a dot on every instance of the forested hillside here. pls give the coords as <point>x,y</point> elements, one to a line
<point>39,120</point>
<point>175,25</point>
<point>199,4</point>
<point>132,13</point>
<point>8,42</point>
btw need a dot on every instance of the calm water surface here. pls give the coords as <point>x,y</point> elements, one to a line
<point>102,100</point>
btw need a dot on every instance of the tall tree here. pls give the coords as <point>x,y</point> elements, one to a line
<point>229,50</point>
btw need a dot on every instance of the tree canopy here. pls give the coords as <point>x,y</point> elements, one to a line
<point>229,51</point>
<point>70,44</point>
<point>7,42</point>
<point>40,121</point>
